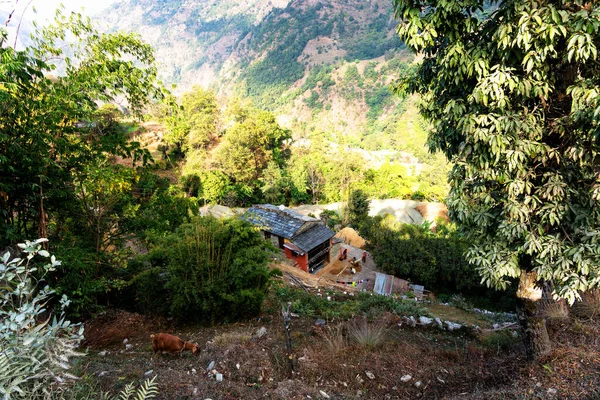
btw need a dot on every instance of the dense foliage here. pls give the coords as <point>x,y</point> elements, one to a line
<point>253,160</point>
<point>208,270</point>
<point>346,307</point>
<point>415,252</point>
<point>58,175</point>
<point>51,126</point>
<point>35,349</point>
<point>513,97</point>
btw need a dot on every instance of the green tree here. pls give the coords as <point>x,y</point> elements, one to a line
<point>358,207</point>
<point>250,145</point>
<point>514,97</point>
<point>45,142</point>
<point>106,120</point>
<point>195,124</point>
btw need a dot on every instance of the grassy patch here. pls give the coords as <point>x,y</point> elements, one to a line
<point>449,313</point>
<point>330,305</point>
<point>229,338</point>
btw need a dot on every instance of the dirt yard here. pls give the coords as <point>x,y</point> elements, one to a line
<point>409,363</point>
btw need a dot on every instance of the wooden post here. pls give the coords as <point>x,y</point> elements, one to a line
<point>287,317</point>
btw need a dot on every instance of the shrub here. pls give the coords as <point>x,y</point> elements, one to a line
<point>589,305</point>
<point>365,304</point>
<point>459,301</point>
<point>330,218</point>
<point>212,270</point>
<point>334,339</point>
<point>417,253</point>
<point>34,349</point>
<point>501,340</point>
<point>366,334</point>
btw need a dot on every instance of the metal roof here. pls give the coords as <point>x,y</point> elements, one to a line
<point>313,237</point>
<point>279,221</point>
<point>304,232</point>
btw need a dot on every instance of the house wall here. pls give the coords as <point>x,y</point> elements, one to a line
<point>302,261</point>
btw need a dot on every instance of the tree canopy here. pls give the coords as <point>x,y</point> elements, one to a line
<point>512,91</point>
<point>49,129</point>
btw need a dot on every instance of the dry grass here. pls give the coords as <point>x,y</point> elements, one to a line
<point>229,338</point>
<point>334,339</point>
<point>556,311</point>
<point>367,335</point>
<point>589,306</point>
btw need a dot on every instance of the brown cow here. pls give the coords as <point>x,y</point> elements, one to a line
<point>164,342</point>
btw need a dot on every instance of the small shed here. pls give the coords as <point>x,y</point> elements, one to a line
<point>306,240</point>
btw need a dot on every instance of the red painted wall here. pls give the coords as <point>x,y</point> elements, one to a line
<point>302,261</point>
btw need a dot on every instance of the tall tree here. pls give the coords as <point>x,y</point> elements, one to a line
<point>195,124</point>
<point>514,98</point>
<point>250,145</point>
<point>46,137</point>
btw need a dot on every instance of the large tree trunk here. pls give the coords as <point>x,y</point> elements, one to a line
<point>531,319</point>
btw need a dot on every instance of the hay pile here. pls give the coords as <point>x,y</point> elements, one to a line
<point>432,211</point>
<point>351,237</point>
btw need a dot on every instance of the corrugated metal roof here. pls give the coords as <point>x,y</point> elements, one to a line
<point>279,221</point>
<point>304,232</point>
<point>313,237</point>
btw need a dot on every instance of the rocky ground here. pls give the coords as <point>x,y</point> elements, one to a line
<point>407,362</point>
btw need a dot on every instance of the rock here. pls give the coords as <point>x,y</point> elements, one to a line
<point>325,395</point>
<point>128,346</point>
<point>125,341</point>
<point>496,326</point>
<point>425,321</point>
<point>320,323</point>
<point>439,323</point>
<point>261,332</point>
<point>219,377</point>
<point>418,384</point>
<point>193,370</point>
<point>370,375</point>
<point>406,378</point>
<point>552,391</point>
<point>103,353</point>
<point>452,326</point>
<point>211,365</point>
<point>149,372</point>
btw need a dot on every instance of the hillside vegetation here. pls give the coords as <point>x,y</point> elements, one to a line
<point>319,66</point>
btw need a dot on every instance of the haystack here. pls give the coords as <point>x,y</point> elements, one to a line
<point>351,237</point>
<point>432,211</point>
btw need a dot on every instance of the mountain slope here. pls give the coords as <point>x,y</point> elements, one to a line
<point>303,59</point>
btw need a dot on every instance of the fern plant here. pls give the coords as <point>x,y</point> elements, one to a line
<point>147,390</point>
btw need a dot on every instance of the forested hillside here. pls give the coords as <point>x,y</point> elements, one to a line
<point>319,66</point>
